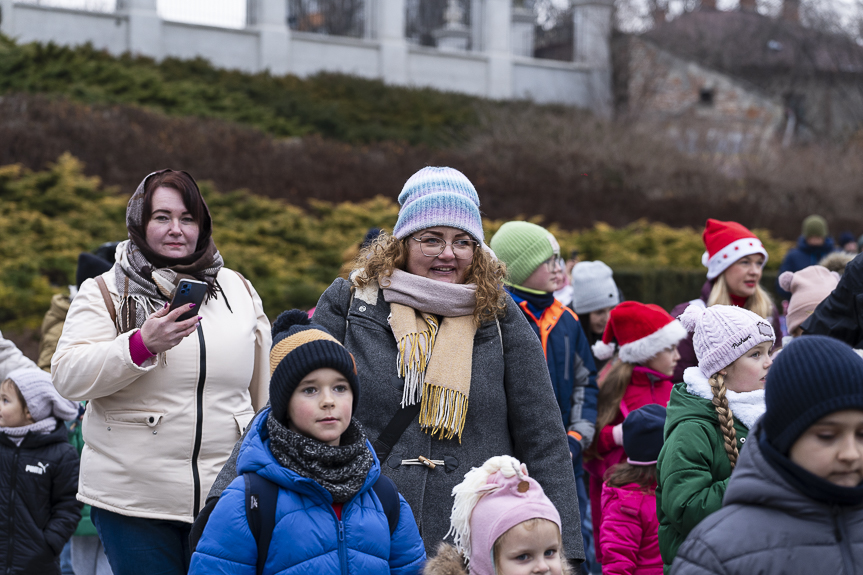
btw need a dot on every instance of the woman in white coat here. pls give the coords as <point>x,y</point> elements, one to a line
<point>167,399</point>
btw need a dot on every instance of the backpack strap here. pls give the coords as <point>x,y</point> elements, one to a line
<point>106,295</point>
<point>261,498</point>
<point>388,494</point>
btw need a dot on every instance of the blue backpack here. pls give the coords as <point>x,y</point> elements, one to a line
<point>261,496</point>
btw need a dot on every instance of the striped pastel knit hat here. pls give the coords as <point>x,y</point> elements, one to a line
<point>438,197</point>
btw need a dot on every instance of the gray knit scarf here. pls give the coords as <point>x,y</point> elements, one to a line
<point>341,469</point>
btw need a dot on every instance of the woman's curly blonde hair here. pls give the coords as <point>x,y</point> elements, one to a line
<point>388,253</point>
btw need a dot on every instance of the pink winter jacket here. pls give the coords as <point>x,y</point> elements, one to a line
<point>630,530</point>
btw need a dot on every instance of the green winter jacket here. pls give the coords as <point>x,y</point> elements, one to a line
<point>692,469</point>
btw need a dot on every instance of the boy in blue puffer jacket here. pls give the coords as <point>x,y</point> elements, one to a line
<point>328,517</point>
<point>534,271</point>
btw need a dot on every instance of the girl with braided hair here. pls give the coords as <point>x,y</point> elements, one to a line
<point>709,417</point>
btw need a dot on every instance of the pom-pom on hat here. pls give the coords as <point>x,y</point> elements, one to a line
<point>808,287</point>
<point>593,287</point>
<point>490,501</point>
<point>813,377</point>
<point>727,242</point>
<point>523,246</point>
<point>642,434</point>
<point>438,197</point>
<point>722,333</point>
<point>299,348</point>
<point>641,331</point>
<point>43,400</point>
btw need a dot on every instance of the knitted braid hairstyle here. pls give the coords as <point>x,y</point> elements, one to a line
<point>726,418</point>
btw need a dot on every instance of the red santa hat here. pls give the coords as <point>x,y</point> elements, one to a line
<point>641,331</point>
<point>727,242</point>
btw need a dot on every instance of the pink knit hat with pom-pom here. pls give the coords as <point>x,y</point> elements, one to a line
<point>808,287</point>
<point>723,333</point>
<point>490,501</point>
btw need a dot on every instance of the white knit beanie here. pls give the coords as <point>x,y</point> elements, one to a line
<point>41,397</point>
<point>723,333</point>
<point>593,287</point>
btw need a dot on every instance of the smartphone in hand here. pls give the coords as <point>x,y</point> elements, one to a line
<point>189,291</point>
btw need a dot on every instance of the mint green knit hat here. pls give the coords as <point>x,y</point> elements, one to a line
<point>523,246</point>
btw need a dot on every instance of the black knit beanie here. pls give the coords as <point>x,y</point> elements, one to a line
<point>812,377</point>
<point>90,266</point>
<point>299,348</point>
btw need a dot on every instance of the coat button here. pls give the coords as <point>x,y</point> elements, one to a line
<point>155,432</point>
<point>109,429</point>
<point>152,419</point>
<point>362,308</point>
<point>742,440</point>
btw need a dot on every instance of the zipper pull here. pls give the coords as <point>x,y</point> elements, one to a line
<point>341,531</point>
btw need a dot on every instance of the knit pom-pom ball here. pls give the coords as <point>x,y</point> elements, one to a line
<point>691,317</point>
<point>288,319</point>
<point>785,280</point>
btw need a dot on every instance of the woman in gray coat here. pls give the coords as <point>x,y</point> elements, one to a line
<point>794,503</point>
<point>452,373</point>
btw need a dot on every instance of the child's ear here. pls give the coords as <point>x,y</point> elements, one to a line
<point>28,416</point>
<point>723,372</point>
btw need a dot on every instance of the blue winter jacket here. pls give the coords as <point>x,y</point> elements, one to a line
<point>308,538</point>
<point>570,361</point>
<point>802,256</point>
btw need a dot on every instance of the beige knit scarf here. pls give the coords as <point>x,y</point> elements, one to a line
<point>435,358</point>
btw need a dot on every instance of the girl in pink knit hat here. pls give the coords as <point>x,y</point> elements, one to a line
<point>502,524</point>
<point>709,417</point>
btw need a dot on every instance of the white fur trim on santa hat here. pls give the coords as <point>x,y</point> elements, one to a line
<point>641,350</point>
<point>722,259</point>
<point>746,407</point>
<point>602,350</point>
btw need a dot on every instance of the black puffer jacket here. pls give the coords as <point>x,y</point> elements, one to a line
<point>38,509</point>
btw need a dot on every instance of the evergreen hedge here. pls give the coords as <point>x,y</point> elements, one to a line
<point>345,108</point>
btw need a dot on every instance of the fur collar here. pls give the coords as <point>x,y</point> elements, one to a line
<point>746,407</point>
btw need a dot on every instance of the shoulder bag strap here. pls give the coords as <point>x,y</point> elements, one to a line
<point>106,295</point>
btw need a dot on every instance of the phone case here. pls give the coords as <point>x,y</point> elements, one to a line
<point>189,291</point>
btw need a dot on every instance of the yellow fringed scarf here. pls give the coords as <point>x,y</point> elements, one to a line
<point>435,361</point>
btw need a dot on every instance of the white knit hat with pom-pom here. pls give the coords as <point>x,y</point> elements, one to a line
<point>723,333</point>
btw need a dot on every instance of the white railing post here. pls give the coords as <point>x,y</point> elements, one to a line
<point>274,41</point>
<point>394,47</point>
<point>497,16</point>
<point>145,28</point>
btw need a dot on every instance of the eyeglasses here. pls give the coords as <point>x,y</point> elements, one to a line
<point>553,263</point>
<point>432,247</point>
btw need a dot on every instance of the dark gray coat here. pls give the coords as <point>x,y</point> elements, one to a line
<point>767,526</point>
<point>512,411</point>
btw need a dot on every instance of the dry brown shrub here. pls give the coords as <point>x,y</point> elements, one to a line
<point>555,162</point>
